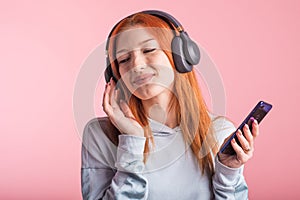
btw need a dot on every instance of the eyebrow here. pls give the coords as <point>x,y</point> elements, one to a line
<point>143,42</point>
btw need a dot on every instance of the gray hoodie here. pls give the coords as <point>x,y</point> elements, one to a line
<point>171,171</point>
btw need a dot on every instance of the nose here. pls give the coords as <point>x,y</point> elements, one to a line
<point>138,62</point>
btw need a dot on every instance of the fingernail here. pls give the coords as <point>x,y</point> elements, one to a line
<point>239,132</point>
<point>246,125</point>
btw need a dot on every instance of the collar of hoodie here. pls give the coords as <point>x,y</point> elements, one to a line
<point>161,129</point>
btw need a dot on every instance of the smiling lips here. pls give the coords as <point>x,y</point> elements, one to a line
<point>142,79</point>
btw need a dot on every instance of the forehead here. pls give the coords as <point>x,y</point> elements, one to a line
<point>133,37</point>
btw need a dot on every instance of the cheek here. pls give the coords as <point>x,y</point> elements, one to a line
<point>165,70</point>
<point>125,76</point>
<point>166,76</point>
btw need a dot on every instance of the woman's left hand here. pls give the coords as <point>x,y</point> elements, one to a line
<point>243,152</point>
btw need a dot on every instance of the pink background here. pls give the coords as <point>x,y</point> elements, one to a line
<point>255,45</point>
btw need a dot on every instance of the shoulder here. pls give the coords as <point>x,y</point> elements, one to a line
<point>221,122</point>
<point>99,129</point>
<point>99,143</point>
<point>222,127</point>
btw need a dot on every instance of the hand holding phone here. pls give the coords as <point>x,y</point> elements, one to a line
<point>259,112</point>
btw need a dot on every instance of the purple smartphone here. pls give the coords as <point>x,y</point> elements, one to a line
<point>258,113</point>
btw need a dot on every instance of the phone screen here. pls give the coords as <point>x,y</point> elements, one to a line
<point>258,113</point>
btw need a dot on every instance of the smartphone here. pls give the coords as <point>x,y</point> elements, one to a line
<point>259,112</point>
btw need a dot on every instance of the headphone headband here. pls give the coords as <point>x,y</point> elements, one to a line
<point>160,14</point>
<point>166,17</point>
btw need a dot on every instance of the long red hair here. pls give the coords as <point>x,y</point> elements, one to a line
<point>192,112</point>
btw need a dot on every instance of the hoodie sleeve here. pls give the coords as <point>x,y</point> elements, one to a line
<point>109,171</point>
<point>228,183</point>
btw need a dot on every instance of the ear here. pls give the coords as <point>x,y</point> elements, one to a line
<point>180,62</point>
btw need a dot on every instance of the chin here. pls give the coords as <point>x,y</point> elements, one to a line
<point>149,91</point>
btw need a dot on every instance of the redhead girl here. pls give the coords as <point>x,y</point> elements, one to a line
<point>158,141</point>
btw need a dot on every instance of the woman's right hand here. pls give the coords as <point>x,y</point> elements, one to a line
<point>120,114</point>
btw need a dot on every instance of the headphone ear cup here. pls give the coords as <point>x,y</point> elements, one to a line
<point>108,73</point>
<point>190,49</point>
<point>180,62</point>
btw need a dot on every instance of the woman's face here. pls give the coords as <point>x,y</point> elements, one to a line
<point>143,65</point>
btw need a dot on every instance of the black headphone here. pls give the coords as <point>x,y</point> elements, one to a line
<point>185,52</point>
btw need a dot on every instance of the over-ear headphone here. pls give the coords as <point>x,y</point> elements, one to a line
<point>185,52</point>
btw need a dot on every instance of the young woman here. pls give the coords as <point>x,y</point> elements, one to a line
<point>159,140</point>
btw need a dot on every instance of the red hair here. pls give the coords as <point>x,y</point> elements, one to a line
<point>192,113</point>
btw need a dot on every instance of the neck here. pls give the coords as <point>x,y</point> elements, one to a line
<point>158,109</point>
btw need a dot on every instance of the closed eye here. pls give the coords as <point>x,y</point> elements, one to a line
<point>124,60</point>
<point>149,50</point>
